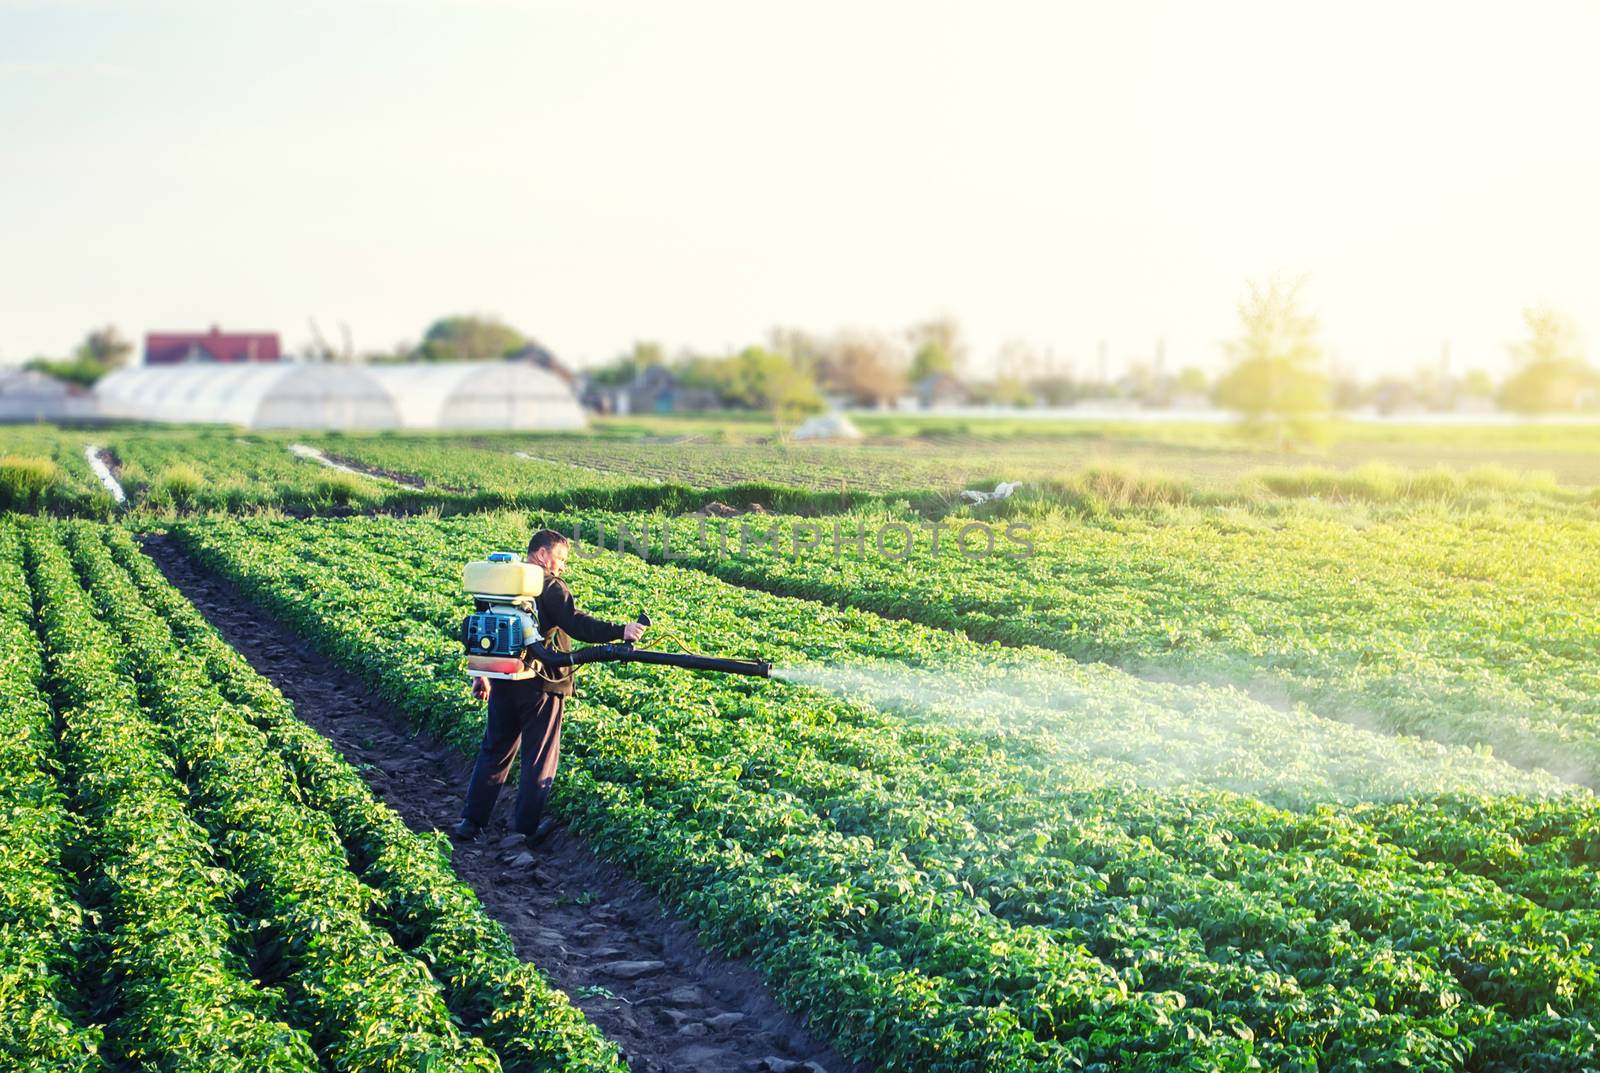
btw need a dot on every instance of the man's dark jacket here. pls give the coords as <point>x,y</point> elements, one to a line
<point>560,621</point>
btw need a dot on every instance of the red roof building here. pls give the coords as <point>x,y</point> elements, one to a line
<point>172,348</point>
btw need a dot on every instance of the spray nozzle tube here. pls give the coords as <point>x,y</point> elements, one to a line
<point>624,652</point>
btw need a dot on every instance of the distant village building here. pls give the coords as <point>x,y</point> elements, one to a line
<point>940,389</point>
<point>540,357</point>
<point>175,348</point>
<point>654,390</point>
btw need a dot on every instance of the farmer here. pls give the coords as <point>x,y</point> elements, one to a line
<point>527,711</point>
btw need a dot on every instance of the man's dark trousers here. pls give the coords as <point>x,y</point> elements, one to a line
<point>519,712</point>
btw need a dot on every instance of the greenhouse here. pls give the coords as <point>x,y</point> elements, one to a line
<point>478,394</point>
<point>26,395</point>
<point>489,395</point>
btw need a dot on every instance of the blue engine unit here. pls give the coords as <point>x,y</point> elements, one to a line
<point>496,633</point>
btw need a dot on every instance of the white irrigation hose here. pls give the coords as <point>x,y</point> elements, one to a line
<point>301,450</point>
<point>103,471</point>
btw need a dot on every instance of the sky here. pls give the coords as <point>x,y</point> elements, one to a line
<point>1072,175</point>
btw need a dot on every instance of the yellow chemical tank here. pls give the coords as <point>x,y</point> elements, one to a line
<point>503,574</point>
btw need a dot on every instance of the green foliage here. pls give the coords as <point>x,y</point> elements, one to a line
<point>758,379</point>
<point>101,351</point>
<point>337,489</point>
<point>220,838</point>
<point>500,999</point>
<point>105,347</point>
<point>27,483</point>
<point>1005,391</point>
<point>1552,375</point>
<point>936,347</point>
<point>44,1022</point>
<point>83,372</point>
<point>469,337</point>
<point>1462,628</point>
<point>999,887</point>
<point>1274,382</point>
<point>1192,380</point>
<point>169,931</point>
<point>626,367</point>
<point>178,485</point>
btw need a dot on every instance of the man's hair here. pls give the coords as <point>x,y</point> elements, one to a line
<point>545,538</point>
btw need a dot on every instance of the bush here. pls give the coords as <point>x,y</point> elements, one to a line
<point>178,485</point>
<point>338,489</point>
<point>27,482</point>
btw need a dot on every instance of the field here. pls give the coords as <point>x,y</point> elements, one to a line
<point>1215,760</point>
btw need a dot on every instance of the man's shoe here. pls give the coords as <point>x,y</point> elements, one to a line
<point>465,830</point>
<point>545,829</point>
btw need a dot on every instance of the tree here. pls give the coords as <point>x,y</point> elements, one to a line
<point>630,363</point>
<point>865,367</point>
<point>1018,367</point>
<point>1191,380</point>
<point>469,337</point>
<point>757,379</point>
<point>936,347</point>
<point>319,349</point>
<point>776,384</point>
<point>1551,373</point>
<point>1055,389</point>
<point>803,348</point>
<point>1477,385</point>
<point>105,347</point>
<point>1275,382</point>
<point>102,350</point>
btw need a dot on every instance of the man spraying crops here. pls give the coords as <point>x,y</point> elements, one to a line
<point>526,713</point>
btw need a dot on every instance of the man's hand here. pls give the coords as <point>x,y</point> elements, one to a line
<point>632,631</point>
<point>480,689</point>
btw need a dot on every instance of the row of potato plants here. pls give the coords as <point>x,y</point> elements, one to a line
<point>1217,737</point>
<point>185,997</point>
<point>887,468</point>
<point>224,469</point>
<point>188,470</point>
<point>375,1006</point>
<point>356,998</point>
<point>1545,850</point>
<point>864,934</point>
<point>43,468</point>
<point>1069,470</point>
<point>529,473</point>
<point>1420,904</point>
<point>1474,630</point>
<point>45,949</point>
<point>715,776</point>
<point>506,1001</point>
<point>1251,748</point>
<point>1086,701</point>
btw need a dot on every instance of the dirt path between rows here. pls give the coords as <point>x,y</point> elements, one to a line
<point>635,969</point>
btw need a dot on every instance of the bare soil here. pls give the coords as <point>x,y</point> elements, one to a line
<point>639,972</point>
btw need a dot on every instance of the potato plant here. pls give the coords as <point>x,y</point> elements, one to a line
<point>1300,937</point>
<point>259,909</point>
<point>1473,630</point>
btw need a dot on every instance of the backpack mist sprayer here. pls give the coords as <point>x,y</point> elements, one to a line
<point>503,640</point>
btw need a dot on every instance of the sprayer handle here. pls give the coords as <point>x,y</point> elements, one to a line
<point>644,618</point>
